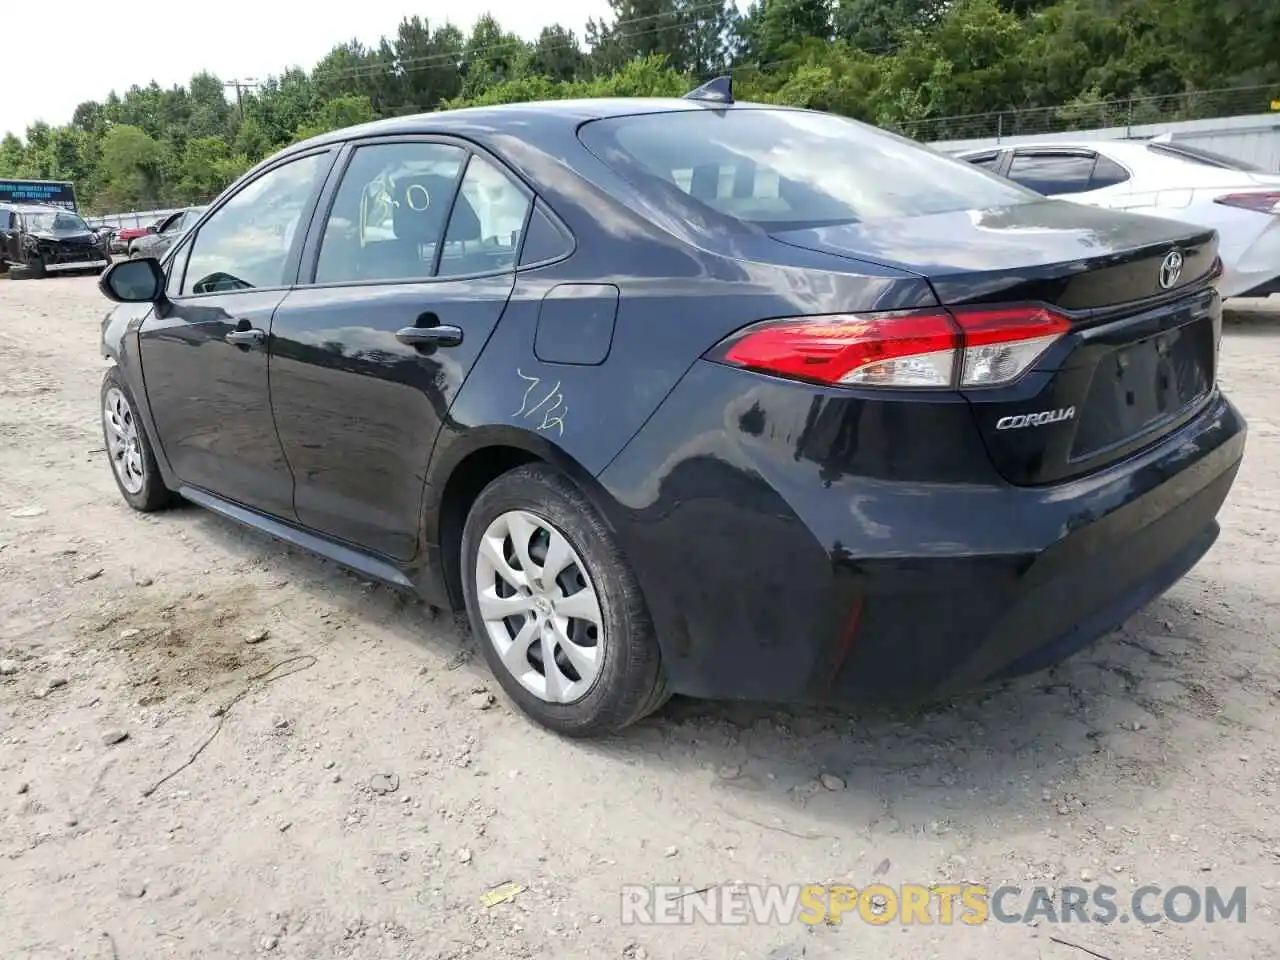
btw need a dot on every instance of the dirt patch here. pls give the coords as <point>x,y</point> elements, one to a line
<point>191,643</point>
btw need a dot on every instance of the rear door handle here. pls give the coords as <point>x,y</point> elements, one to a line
<point>244,337</point>
<point>441,335</point>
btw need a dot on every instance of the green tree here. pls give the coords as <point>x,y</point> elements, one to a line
<point>131,165</point>
<point>491,56</point>
<point>337,113</point>
<point>910,64</point>
<point>207,168</point>
<point>556,55</point>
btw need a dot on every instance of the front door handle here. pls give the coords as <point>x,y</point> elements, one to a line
<point>246,337</point>
<point>441,335</point>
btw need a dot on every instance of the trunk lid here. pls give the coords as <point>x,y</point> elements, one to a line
<point>1067,255</point>
<point>1139,358</point>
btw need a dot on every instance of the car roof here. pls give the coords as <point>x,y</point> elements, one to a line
<point>531,119</point>
<point>1113,147</point>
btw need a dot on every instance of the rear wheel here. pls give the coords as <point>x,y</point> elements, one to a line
<point>132,462</point>
<point>556,608</point>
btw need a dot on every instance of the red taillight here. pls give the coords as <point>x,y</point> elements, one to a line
<point>967,347</point>
<point>852,349</point>
<point>1262,202</point>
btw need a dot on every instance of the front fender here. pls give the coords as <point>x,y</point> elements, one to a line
<point>120,346</point>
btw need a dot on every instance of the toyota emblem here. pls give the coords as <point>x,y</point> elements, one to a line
<point>1171,269</point>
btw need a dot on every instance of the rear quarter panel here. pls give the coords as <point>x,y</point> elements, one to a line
<point>676,300</point>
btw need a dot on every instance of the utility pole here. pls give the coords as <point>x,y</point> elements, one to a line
<point>240,86</point>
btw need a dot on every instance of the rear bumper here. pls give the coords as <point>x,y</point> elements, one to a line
<point>772,578</point>
<point>1250,250</point>
<point>1264,289</point>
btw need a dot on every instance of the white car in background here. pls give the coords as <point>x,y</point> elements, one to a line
<point>1166,179</point>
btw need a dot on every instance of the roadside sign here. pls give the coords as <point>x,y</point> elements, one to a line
<point>60,193</point>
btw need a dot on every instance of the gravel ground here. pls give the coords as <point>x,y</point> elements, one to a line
<point>360,800</point>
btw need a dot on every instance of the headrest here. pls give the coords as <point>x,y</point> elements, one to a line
<point>705,183</point>
<point>421,204</point>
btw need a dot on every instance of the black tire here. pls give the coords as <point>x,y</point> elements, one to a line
<point>152,494</point>
<point>35,269</point>
<point>629,683</point>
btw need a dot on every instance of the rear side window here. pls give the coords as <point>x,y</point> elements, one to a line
<point>789,169</point>
<point>486,223</point>
<point>988,161</point>
<point>1107,173</point>
<point>544,240</point>
<point>1052,173</point>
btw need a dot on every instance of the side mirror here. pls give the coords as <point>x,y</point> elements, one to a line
<point>133,281</point>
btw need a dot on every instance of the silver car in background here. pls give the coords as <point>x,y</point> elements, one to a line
<point>166,232</point>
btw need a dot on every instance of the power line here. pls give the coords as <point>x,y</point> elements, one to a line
<point>240,86</point>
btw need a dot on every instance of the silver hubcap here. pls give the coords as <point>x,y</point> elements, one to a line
<point>123,444</point>
<point>539,607</point>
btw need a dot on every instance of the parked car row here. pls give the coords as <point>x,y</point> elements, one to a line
<point>161,235</point>
<point>1168,179</point>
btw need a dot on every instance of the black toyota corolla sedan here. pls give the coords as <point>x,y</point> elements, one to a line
<point>690,396</point>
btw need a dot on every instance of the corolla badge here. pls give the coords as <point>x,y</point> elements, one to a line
<point>1170,269</point>
<point>1021,420</point>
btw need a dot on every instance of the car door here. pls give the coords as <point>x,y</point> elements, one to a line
<point>168,232</point>
<point>10,236</point>
<point>204,348</point>
<point>407,270</point>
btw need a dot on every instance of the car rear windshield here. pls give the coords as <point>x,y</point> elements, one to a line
<point>1202,156</point>
<point>790,169</point>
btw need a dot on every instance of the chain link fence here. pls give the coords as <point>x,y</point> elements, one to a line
<point>1085,115</point>
<point>133,220</point>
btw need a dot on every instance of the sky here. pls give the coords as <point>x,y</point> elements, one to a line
<point>108,46</point>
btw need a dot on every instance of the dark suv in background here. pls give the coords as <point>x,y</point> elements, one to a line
<point>38,239</point>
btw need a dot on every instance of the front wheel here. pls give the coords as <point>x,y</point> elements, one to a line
<point>556,608</point>
<point>32,270</point>
<point>132,462</point>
